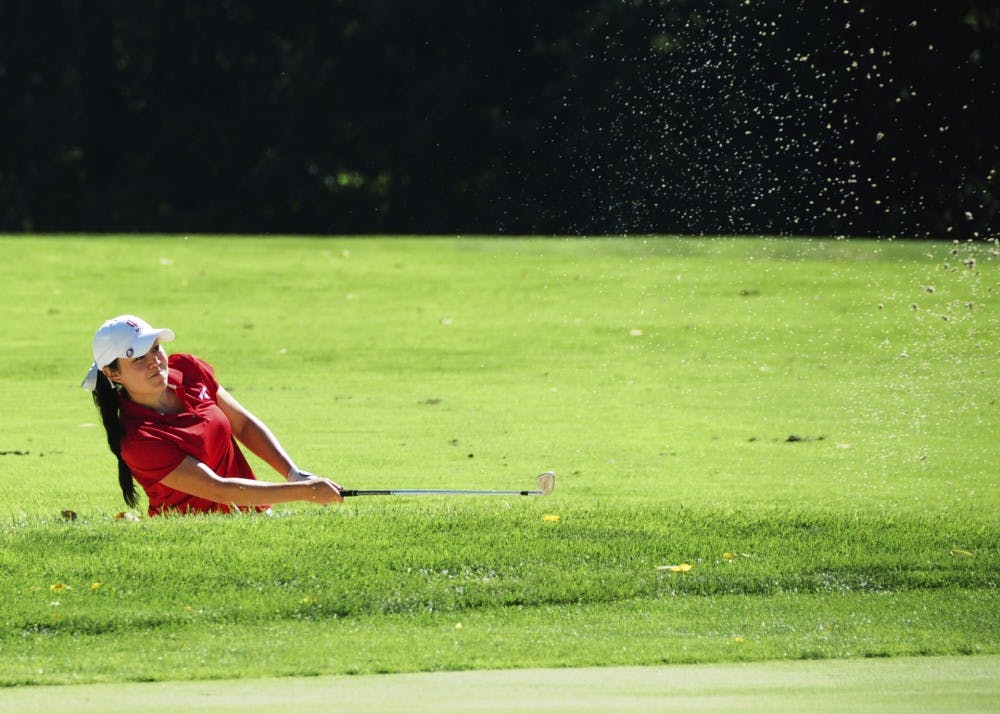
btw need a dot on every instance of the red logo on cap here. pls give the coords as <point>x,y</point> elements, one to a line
<point>134,324</point>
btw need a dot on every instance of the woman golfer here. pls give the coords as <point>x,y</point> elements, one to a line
<point>173,428</point>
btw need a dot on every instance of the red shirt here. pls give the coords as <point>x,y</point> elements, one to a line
<point>155,444</point>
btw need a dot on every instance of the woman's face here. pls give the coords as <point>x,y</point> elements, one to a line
<point>143,375</point>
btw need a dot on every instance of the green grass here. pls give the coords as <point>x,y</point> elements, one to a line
<point>882,686</point>
<point>661,379</point>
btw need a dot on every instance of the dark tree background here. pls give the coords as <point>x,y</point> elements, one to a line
<point>848,117</point>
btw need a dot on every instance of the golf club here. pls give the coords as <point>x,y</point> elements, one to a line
<point>546,482</point>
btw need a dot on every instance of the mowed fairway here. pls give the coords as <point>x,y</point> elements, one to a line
<point>767,449</point>
<point>931,684</point>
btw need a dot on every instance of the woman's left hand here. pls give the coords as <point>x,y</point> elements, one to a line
<point>297,475</point>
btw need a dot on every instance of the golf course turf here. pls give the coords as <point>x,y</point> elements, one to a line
<point>930,684</point>
<point>768,450</point>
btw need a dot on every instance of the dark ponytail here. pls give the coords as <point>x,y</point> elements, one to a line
<point>106,399</point>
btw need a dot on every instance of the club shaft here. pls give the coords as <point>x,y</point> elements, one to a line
<point>431,492</point>
<point>546,482</point>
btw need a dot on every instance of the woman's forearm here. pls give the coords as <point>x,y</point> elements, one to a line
<point>254,434</point>
<point>259,440</point>
<point>247,492</point>
<point>195,478</point>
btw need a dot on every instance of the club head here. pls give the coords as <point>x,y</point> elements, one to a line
<point>546,482</point>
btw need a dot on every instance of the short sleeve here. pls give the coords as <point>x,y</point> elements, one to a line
<point>196,372</point>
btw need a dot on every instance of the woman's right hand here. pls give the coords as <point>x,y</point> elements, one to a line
<point>322,490</point>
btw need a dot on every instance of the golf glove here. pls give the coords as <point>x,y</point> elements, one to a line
<point>295,475</point>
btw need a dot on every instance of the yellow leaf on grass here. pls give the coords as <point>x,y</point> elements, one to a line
<point>682,568</point>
